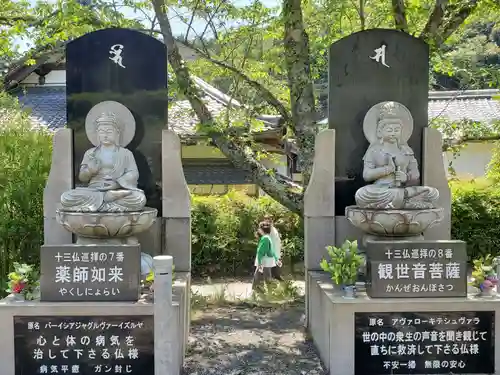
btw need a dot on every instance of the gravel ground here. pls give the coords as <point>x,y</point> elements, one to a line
<point>251,341</point>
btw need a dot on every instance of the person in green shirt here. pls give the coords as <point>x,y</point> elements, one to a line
<point>266,257</point>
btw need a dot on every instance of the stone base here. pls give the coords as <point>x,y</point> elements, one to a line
<point>11,306</point>
<point>332,317</point>
<point>371,237</point>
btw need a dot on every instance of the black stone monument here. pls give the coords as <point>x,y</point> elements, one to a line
<point>128,67</point>
<point>424,343</point>
<point>84,345</point>
<point>367,68</point>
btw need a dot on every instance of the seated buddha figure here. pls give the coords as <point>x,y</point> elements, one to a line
<point>110,171</point>
<point>389,163</point>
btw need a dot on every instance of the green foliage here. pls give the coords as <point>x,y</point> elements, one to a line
<point>475,216</point>
<point>150,278</point>
<point>25,279</point>
<point>344,263</point>
<point>484,274</point>
<point>25,156</point>
<point>224,241</point>
<point>494,165</point>
<point>276,292</point>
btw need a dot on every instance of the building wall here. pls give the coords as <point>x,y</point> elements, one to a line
<point>201,151</point>
<point>192,153</point>
<point>472,161</point>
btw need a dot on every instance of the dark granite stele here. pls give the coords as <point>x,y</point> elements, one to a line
<point>357,82</point>
<point>140,84</point>
<point>84,345</point>
<point>425,343</point>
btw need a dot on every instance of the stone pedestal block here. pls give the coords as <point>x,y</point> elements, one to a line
<point>332,321</point>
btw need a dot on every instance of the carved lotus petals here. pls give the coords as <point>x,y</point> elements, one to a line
<point>107,225</point>
<point>397,223</point>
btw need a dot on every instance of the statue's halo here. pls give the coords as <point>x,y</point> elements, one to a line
<point>125,118</point>
<point>371,120</point>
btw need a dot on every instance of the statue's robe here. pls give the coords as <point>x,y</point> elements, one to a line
<point>122,177</point>
<point>383,193</point>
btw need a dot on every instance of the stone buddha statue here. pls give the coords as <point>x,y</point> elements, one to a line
<point>389,163</point>
<point>109,169</point>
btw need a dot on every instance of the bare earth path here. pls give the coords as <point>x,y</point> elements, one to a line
<point>245,340</point>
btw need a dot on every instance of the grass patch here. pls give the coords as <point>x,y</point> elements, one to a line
<point>275,294</point>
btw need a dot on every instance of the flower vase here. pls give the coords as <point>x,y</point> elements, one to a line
<point>15,297</point>
<point>36,294</point>
<point>349,291</point>
<point>488,292</point>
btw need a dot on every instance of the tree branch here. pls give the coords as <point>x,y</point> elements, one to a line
<point>33,21</point>
<point>445,20</point>
<point>456,20</point>
<point>266,94</point>
<point>190,24</point>
<point>399,14</point>
<point>300,83</point>
<point>240,155</point>
<point>210,22</point>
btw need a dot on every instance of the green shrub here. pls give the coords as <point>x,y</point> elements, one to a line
<point>475,217</point>
<point>224,228</point>
<point>25,156</point>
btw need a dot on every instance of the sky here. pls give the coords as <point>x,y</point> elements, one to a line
<point>178,26</point>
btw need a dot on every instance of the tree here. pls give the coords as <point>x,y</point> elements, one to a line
<point>444,19</point>
<point>268,57</point>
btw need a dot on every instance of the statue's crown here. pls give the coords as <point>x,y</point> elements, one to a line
<point>107,118</point>
<point>388,111</point>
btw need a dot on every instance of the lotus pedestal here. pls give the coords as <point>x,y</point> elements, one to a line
<point>107,228</point>
<point>386,225</point>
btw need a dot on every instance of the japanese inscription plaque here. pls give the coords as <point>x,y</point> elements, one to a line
<point>90,273</point>
<point>408,269</point>
<point>84,345</point>
<point>424,343</point>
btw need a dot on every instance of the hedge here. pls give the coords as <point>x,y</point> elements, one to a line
<point>24,165</point>
<point>223,226</point>
<point>475,217</point>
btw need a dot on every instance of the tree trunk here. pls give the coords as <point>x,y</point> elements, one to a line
<point>239,154</point>
<point>300,84</point>
<point>399,14</point>
<point>445,19</point>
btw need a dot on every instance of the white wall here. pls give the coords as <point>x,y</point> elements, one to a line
<point>473,160</point>
<point>54,78</point>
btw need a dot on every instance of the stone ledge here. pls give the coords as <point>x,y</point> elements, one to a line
<point>143,307</point>
<point>326,285</point>
<point>331,318</point>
